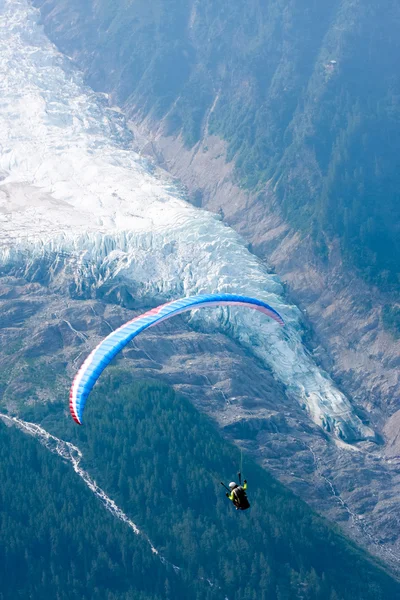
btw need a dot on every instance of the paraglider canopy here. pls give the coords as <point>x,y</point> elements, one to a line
<point>104,352</point>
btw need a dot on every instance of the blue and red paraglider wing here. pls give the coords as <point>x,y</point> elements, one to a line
<point>108,348</point>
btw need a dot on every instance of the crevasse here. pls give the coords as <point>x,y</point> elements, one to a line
<point>75,194</point>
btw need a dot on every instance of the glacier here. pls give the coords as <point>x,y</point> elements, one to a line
<point>76,197</point>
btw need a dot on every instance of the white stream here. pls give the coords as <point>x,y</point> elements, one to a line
<point>72,454</point>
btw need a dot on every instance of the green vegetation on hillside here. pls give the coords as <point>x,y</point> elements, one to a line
<point>391,318</point>
<point>307,96</point>
<point>58,542</point>
<point>162,461</point>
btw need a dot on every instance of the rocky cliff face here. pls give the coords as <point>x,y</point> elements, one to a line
<point>344,313</point>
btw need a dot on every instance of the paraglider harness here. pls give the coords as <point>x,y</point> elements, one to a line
<point>238,494</point>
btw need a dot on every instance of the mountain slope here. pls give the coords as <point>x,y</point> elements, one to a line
<point>306,97</point>
<point>91,230</point>
<point>161,461</point>
<point>57,541</point>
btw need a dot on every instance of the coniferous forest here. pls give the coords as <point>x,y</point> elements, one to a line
<point>162,463</point>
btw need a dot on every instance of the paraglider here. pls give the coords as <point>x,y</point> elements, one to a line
<point>237,494</point>
<point>108,348</point>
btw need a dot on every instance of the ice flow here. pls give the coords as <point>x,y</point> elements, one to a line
<point>72,185</point>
